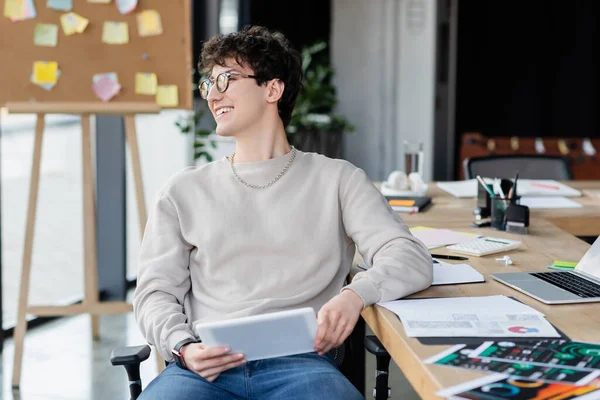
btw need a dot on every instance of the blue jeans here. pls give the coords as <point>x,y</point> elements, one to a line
<point>303,376</point>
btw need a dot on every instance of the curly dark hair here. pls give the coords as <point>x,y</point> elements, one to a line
<point>269,55</point>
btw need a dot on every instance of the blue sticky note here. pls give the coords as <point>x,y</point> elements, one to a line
<point>62,5</point>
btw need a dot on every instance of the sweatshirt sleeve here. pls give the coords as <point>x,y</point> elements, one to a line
<point>400,263</point>
<point>163,280</point>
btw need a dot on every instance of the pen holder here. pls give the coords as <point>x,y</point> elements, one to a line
<point>498,213</point>
<point>482,210</point>
<point>499,210</point>
<point>517,219</point>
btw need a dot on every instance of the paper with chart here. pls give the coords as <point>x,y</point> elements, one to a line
<point>502,387</point>
<point>458,357</point>
<point>488,316</point>
<point>582,355</point>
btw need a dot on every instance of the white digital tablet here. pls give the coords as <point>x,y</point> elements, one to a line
<point>263,336</point>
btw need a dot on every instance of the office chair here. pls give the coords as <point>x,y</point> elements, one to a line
<point>529,167</point>
<point>130,357</point>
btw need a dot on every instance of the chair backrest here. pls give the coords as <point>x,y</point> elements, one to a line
<point>529,167</point>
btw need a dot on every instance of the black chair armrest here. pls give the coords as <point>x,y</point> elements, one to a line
<point>130,355</point>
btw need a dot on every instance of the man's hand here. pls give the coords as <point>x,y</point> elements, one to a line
<point>337,319</point>
<point>209,362</point>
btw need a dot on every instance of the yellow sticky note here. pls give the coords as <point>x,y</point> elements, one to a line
<point>115,32</point>
<point>45,35</point>
<point>14,9</point>
<point>73,23</point>
<point>145,83</point>
<point>45,72</point>
<point>149,23</point>
<point>167,96</point>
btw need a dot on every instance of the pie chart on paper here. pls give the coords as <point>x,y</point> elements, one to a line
<point>522,329</point>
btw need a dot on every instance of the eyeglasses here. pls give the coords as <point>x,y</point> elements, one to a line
<point>222,82</point>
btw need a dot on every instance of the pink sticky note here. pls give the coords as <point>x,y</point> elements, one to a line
<point>106,88</point>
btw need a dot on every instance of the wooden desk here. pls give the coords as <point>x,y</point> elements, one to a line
<point>545,243</point>
<point>576,221</point>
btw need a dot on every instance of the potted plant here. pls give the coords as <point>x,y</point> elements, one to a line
<point>194,123</point>
<point>314,127</point>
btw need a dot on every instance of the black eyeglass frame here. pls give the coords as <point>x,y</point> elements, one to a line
<point>207,84</point>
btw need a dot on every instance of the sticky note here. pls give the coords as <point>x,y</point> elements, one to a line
<point>45,35</point>
<point>19,10</point>
<point>145,83</point>
<point>62,5</point>
<point>149,23</point>
<point>115,32</point>
<point>106,88</point>
<point>46,86</point>
<point>110,75</point>
<point>402,203</point>
<point>14,9</point>
<point>45,72</point>
<point>167,96</point>
<point>29,10</point>
<point>73,23</point>
<point>126,6</point>
<point>564,264</point>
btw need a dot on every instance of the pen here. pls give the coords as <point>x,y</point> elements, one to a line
<point>485,186</point>
<point>445,257</point>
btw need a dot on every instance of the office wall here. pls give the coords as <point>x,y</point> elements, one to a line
<point>384,55</point>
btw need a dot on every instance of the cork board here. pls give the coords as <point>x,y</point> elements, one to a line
<point>80,56</point>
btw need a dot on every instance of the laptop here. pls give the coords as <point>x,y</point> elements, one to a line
<point>582,285</point>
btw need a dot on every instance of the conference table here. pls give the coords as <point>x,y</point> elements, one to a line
<point>552,236</point>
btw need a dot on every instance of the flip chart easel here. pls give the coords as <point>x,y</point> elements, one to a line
<point>91,303</point>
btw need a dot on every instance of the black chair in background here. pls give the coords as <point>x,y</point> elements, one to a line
<point>350,361</point>
<point>529,167</point>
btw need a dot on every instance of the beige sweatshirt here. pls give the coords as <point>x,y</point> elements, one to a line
<point>216,249</point>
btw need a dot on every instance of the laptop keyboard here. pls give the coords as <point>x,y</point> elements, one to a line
<point>571,283</point>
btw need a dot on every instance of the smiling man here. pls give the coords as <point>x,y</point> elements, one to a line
<point>269,228</point>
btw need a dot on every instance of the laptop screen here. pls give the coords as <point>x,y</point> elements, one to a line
<point>590,262</point>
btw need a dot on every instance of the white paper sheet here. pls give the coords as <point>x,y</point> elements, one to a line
<point>525,187</point>
<point>548,202</point>
<point>460,189</point>
<point>433,238</point>
<point>448,274</point>
<point>489,316</point>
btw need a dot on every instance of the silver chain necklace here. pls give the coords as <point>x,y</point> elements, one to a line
<point>287,166</point>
